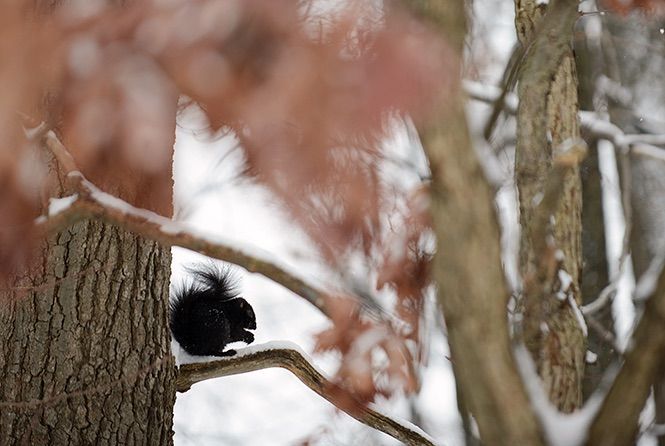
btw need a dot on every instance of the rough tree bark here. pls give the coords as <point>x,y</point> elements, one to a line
<point>547,117</point>
<point>85,357</point>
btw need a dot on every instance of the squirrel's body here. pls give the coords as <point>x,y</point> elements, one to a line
<point>209,314</point>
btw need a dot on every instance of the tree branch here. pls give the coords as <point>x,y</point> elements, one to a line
<point>638,143</point>
<point>90,202</point>
<point>291,359</point>
<point>617,420</point>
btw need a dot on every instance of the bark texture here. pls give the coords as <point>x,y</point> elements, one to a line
<point>85,357</point>
<point>547,117</point>
<point>467,265</point>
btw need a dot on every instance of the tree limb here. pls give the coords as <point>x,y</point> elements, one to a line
<point>617,420</point>
<point>90,202</point>
<point>295,362</point>
<point>641,144</point>
<point>550,199</point>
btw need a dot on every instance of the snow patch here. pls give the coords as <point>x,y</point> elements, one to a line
<point>182,357</point>
<point>578,315</point>
<point>560,429</point>
<point>565,280</point>
<point>57,205</point>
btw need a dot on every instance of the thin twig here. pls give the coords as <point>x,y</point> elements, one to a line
<point>62,155</point>
<point>606,296</point>
<point>604,334</point>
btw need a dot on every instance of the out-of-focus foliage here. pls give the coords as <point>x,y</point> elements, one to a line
<point>310,106</point>
<point>651,7</point>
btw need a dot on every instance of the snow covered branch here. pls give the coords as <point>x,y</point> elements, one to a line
<point>639,144</point>
<point>289,356</point>
<point>87,201</point>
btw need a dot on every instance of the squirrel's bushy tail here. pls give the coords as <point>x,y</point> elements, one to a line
<point>209,313</point>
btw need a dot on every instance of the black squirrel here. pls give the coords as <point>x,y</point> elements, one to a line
<point>208,313</point>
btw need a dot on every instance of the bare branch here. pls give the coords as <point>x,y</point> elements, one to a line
<point>295,362</point>
<point>93,203</point>
<point>606,296</point>
<point>65,160</point>
<point>603,333</point>
<point>638,144</point>
<point>617,420</point>
<point>549,192</point>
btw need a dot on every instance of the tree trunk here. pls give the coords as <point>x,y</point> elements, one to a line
<point>547,117</point>
<point>85,357</point>
<point>467,265</point>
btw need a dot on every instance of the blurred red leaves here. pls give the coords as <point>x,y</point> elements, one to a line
<point>22,79</point>
<point>649,7</point>
<point>310,109</point>
<point>370,351</point>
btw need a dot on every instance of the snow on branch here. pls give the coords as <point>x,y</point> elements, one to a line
<point>606,296</point>
<point>639,144</point>
<point>87,201</point>
<point>289,356</point>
